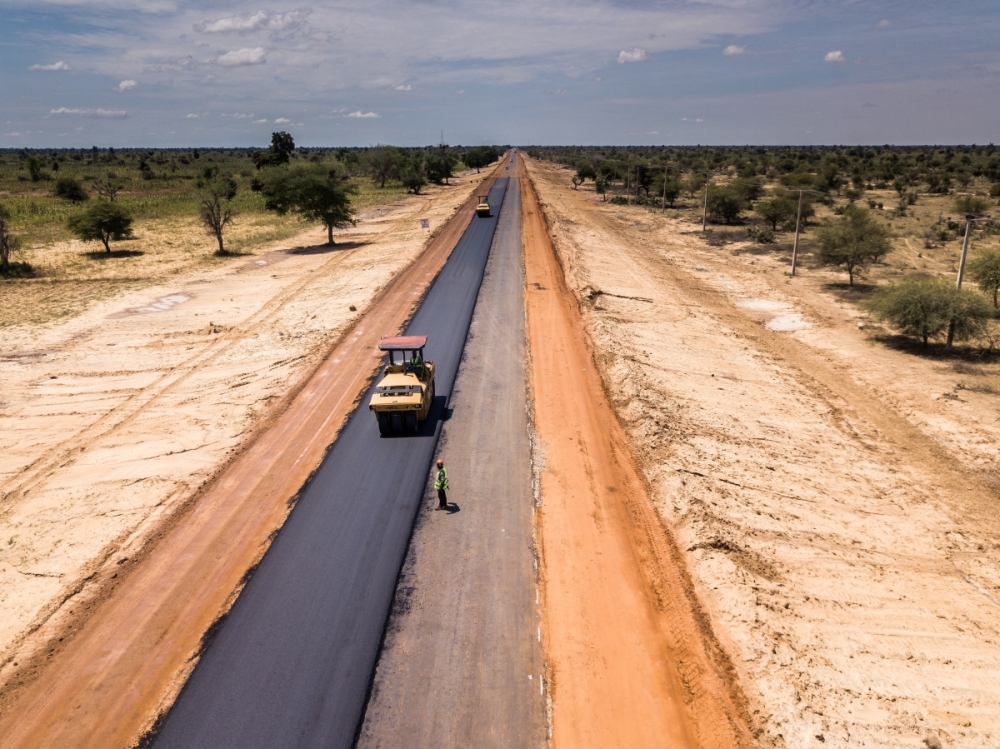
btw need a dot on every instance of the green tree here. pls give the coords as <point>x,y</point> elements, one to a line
<point>34,169</point>
<point>382,163</point>
<point>995,191</point>
<point>854,242</point>
<point>438,166</point>
<point>102,221</point>
<point>413,178</point>
<point>985,271</point>
<point>215,195</point>
<point>70,188</point>
<point>601,187</point>
<point>280,151</point>
<point>585,170</point>
<point>925,307</point>
<point>971,204</point>
<point>314,191</point>
<point>777,210</point>
<point>8,242</point>
<point>725,202</point>
<point>695,184</point>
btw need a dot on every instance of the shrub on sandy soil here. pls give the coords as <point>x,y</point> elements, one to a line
<point>924,308</point>
<point>102,221</point>
<point>70,188</point>
<point>971,204</point>
<point>8,245</point>
<point>760,234</point>
<point>985,271</point>
<point>854,241</point>
<point>725,202</point>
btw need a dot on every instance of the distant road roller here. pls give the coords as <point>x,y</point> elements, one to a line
<point>403,399</point>
<point>483,209</point>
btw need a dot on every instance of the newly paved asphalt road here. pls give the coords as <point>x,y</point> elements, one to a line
<point>291,664</point>
<point>462,663</point>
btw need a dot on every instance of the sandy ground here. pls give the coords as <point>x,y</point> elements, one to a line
<point>835,498</point>
<point>113,418</point>
<point>630,660</point>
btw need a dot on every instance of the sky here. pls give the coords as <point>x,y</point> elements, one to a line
<point>173,73</point>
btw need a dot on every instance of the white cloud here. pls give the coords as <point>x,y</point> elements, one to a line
<point>260,122</point>
<point>633,55</point>
<point>106,113</point>
<point>885,23</point>
<point>404,87</point>
<point>262,20</point>
<point>126,85</point>
<point>364,115</point>
<point>54,66</point>
<point>282,121</point>
<point>460,92</point>
<point>734,49</point>
<point>171,63</point>
<point>13,135</point>
<point>653,132</point>
<point>239,57</point>
<point>835,56</point>
<point>192,116</point>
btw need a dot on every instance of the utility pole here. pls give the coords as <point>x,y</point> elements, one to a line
<point>961,273</point>
<point>798,224</point>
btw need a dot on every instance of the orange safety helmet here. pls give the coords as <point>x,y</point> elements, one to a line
<point>440,462</point>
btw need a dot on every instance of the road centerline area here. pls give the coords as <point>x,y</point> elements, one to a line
<point>462,662</point>
<point>291,663</point>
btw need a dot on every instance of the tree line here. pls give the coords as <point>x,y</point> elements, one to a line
<point>306,182</point>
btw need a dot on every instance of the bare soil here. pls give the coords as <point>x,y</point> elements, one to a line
<point>631,659</point>
<point>113,420</point>
<point>834,496</point>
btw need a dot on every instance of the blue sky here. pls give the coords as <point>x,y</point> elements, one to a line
<point>78,73</point>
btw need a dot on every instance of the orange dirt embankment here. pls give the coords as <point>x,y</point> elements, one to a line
<point>631,659</point>
<point>104,681</point>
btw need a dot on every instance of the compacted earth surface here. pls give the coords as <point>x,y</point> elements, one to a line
<point>111,420</point>
<point>834,498</point>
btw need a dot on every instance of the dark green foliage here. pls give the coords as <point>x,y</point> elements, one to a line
<point>34,168</point>
<point>585,170</point>
<point>725,202</point>
<point>854,242</point>
<point>925,307</point>
<point>70,188</point>
<point>438,166</point>
<point>280,151</point>
<point>314,191</point>
<point>413,179</point>
<point>778,210</point>
<point>382,163</point>
<point>760,235</point>
<point>985,271</point>
<point>995,190</point>
<point>102,221</point>
<point>477,158</point>
<point>971,204</point>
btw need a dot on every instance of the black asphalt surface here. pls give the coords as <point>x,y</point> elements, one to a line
<point>462,662</point>
<point>291,664</point>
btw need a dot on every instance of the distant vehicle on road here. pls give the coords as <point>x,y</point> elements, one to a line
<point>483,209</point>
<point>402,400</point>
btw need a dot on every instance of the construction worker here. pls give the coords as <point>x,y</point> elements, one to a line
<point>416,361</point>
<point>441,484</point>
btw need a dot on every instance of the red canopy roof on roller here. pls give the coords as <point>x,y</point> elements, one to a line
<point>402,342</point>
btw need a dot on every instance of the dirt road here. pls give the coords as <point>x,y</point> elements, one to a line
<point>462,663</point>
<point>119,658</point>
<point>832,503</point>
<point>632,661</point>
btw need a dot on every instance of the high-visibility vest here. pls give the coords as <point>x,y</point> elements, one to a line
<point>441,479</point>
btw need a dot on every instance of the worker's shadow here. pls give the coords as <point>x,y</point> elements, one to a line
<point>452,507</point>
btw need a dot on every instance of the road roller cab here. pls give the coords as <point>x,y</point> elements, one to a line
<point>483,209</point>
<point>402,400</point>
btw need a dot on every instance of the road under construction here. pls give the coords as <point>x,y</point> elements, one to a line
<point>365,618</point>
